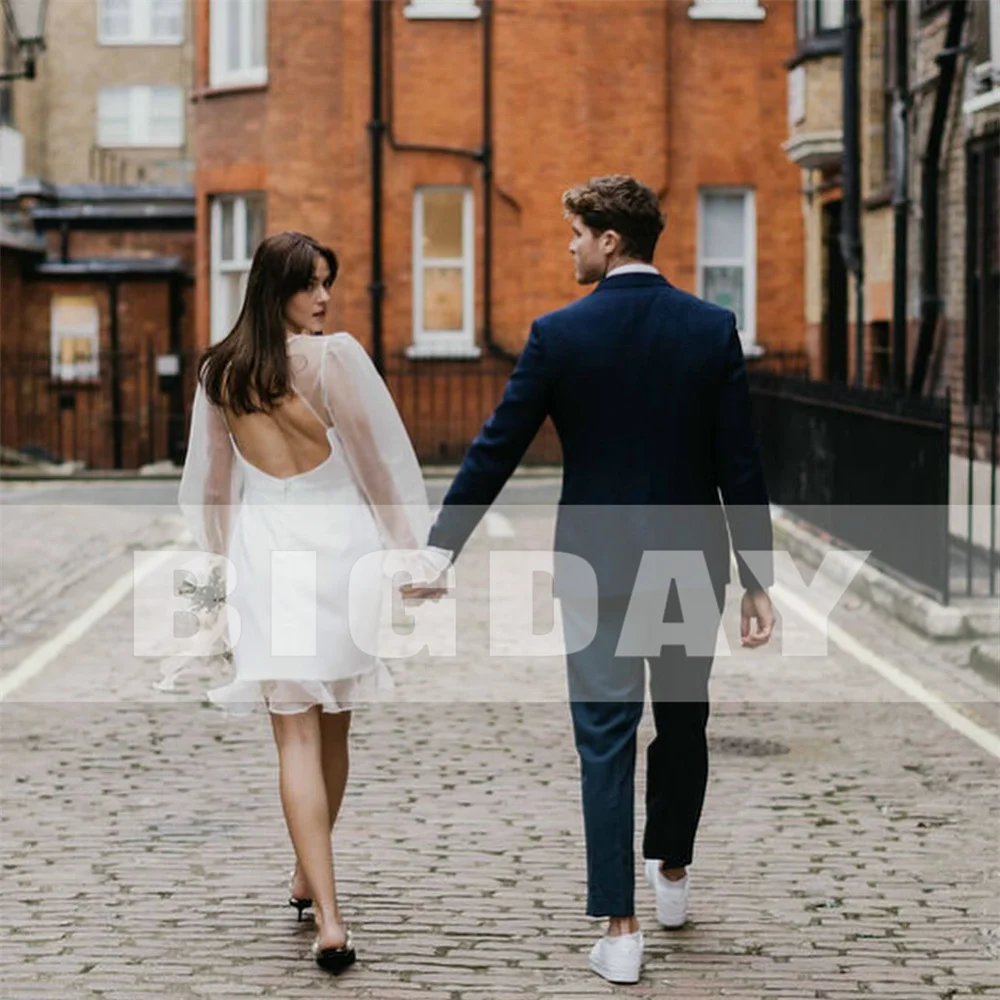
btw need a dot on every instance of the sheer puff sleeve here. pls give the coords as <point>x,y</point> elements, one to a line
<point>375,443</point>
<point>210,481</point>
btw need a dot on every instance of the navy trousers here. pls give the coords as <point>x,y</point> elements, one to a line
<point>606,702</point>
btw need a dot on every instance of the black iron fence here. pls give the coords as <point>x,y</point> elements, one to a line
<point>130,414</point>
<point>444,403</point>
<point>877,472</point>
<point>975,520</point>
<point>127,413</point>
<point>906,479</point>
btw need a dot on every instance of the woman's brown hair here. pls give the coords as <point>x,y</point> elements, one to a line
<point>248,370</point>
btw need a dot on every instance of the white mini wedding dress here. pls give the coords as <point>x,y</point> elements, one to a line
<point>306,551</point>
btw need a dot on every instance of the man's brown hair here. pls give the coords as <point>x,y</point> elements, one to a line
<point>621,203</point>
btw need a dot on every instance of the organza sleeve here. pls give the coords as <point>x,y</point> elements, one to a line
<point>377,447</point>
<point>209,484</point>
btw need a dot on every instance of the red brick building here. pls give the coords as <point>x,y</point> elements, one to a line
<point>96,319</point>
<point>429,141</point>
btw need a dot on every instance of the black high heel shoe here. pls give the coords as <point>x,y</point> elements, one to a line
<point>335,960</point>
<point>301,905</point>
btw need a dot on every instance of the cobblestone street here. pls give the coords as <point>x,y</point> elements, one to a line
<point>849,846</point>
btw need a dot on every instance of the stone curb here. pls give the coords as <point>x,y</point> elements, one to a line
<point>985,660</point>
<point>975,619</point>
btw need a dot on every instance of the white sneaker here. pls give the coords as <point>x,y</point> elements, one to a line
<point>671,897</point>
<point>618,959</point>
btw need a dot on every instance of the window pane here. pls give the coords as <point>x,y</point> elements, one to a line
<point>226,209</point>
<point>166,19</point>
<point>831,14</point>
<point>258,34</point>
<point>115,20</point>
<point>255,225</point>
<point>234,33</point>
<point>724,287</point>
<point>722,226</point>
<point>75,326</point>
<point>77,357</point>
<point>113,114</point>
<point>443,223</point>
<point>980,13</point>
<point>241,292</point>
<point>166,121</point>
<point>443,299</point>
<point>232,286</point>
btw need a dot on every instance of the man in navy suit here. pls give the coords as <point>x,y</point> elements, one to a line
<point>647,388</point>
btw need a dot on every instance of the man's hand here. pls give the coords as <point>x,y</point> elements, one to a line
<point>430,575</point>
<point>421,592</point>
<point>756,607</point>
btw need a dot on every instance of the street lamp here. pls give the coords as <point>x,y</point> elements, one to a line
<point>25,20</point>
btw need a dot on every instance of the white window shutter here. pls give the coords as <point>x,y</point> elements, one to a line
<point>166,117</point>
<point>114,109</point>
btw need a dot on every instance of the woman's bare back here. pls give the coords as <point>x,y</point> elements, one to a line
<point>288,441</point>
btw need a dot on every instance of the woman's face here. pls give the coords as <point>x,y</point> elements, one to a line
<point>305,311</point>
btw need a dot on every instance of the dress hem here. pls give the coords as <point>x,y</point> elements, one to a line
<point>242,698</point>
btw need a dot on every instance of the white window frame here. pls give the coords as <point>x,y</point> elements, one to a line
<point>726,10</point>
<point>809,17</point>
<point>238,264</point>
<point>995,41</point>
<point>445,343</point>
<point>77,371</point>
<point>991,70</point>
<point>442,10</point>
<point>140,25</point>
<point>220,75</point>
<point>140,117</point>
<point>748,335</point>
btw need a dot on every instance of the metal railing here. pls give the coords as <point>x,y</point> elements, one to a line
<point>444,403</point>
<point>892,475</point>
<point>123,417</point>
<point>910,480</point>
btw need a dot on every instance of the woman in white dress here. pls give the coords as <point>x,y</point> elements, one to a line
<point>299,466</point>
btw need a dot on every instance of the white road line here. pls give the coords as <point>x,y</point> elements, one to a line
<point>37,661</point>
<point>983,738</point>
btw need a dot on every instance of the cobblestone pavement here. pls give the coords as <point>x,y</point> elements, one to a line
<point>849,846</point>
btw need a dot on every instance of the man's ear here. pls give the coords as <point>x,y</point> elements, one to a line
<point>610,242</point>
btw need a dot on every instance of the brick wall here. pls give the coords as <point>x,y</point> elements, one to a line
<point>681,104</point>
<point>73,420</point>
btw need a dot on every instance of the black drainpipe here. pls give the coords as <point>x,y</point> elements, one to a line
<point>483,156</point>
<point>850,235</point>
<point>117,430</point>
<point>900,191</point>
<point>376,129</point>
<point>491,345</point>
<point>930,298</point>
<point>175,423</point>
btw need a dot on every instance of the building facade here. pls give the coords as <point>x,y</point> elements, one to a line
<point>95,322</point>
<point>929,134</point>
<point>110,102</point>
<point>97,236</point>
<point>429,142</point>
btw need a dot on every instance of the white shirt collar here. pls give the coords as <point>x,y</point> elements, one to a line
<point>632,269</point>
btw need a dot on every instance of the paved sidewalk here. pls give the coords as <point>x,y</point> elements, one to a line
<point>849,847</point>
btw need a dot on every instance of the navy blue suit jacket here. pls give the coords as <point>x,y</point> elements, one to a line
<point>647,388</point>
